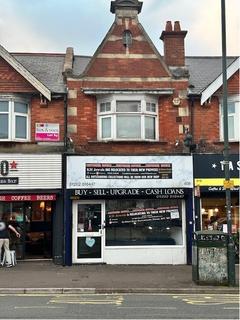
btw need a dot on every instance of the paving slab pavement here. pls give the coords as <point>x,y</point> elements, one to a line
<point>46,277</point>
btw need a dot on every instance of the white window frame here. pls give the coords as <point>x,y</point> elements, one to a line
<point>112,99</point>
<point>236,100</point>
<point>12,119</point>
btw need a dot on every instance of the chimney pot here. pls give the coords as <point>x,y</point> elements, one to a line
<point>174,52</point>
<point>168,26</point>
<point>177,26</point>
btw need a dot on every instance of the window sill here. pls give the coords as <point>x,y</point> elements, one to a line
<point>15,141</point>
<point>162,142</point>
<point>222,142</point>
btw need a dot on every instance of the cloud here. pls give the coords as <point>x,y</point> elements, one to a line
<point>202,20</point>
<point>53,25</point>
<point>18,34</point>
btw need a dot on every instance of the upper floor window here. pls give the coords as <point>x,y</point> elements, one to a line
<point>233,119</point>
<point>127,118</point>
<point>14,120</point>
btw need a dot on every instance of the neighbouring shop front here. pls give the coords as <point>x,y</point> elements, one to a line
<point>30,199</point>
<point>210,196</point>
<point>128,209</point>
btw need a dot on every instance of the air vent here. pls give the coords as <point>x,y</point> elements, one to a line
<point>127,38</point>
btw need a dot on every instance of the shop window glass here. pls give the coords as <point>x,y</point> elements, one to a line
<point>213,211</point>
<point>33,220</point>
<point>143,222</point>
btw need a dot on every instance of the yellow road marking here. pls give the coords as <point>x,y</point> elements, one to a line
<point>215,299</point>
<point>38,307</point>
<point>88,299</point>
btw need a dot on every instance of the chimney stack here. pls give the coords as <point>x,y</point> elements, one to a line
<point>68,61</point>
<point>173,39</point>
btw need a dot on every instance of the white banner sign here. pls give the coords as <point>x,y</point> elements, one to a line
<point>91,172</point>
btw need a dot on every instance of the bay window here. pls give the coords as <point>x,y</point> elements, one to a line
<point>233,118</point>
<point>127,118</point>
<point>14,118</point>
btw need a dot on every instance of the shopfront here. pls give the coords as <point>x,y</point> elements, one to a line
<point>210,196</point>
<point>30,199</point>
<point>129,210</point>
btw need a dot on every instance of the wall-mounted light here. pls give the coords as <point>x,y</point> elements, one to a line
<point>42,205</point>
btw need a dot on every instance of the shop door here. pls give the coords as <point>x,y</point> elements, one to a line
<point>88,231</point>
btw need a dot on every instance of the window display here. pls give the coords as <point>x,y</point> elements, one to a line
<point>143,222</point>
<point>214,214</point>
<point>33,220</point>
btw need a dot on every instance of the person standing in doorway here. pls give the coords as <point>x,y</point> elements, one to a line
<point>4,238</point>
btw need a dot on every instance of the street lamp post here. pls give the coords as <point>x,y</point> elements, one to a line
<point>231,251</point>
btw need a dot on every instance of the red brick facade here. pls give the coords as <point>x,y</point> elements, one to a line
<point>11,81</point>
<point>137,67</point>
<point>206,121</point>
<point>13,84</point>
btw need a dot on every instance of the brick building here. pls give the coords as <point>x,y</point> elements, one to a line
<point>128,122</point>
<point>32,140</point>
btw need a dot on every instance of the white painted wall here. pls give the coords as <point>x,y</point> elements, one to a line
<point>145,255</point>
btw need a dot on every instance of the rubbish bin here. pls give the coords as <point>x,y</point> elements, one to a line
<point>210,258</point>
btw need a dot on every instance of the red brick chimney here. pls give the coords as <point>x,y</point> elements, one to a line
<point>173,39</point>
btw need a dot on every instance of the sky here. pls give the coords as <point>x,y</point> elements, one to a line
<point>54,25</point>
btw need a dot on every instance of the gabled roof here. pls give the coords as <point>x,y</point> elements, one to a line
<point>46,67</point>
<point>25,73</point>
<point>218,82</point>
<point>102,53</point>
<point>203,71</point>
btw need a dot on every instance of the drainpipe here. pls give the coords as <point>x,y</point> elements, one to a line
<point>196,202</point>
<point>65,122</point>
<point>64,177</point>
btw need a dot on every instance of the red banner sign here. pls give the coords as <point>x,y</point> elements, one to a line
<point>28,197</point>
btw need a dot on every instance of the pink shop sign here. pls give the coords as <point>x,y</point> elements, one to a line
<point>47,132</point>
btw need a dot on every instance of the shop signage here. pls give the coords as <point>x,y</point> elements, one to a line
<point>8,180</point>
<point>158,193</point>
<point>217,189</point>
<point>136,216</point>
<point>129,172</point>
<point>7,167</point>
<point>28,197</point>
<point>209,168</point>
<point>30,171</point>
<point>47,132</point>
<point>211,237</point>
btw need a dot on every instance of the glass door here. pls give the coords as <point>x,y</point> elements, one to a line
<point>88,231</point>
